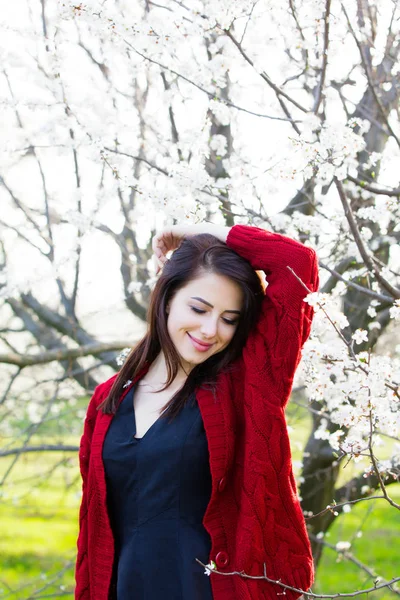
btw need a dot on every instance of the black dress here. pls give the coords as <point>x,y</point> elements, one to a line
<point>158,488</point>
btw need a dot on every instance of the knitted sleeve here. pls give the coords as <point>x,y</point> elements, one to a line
<point>273,349</point>
<point>82,591</point>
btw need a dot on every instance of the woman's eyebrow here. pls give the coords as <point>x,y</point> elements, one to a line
<point>237,312</point>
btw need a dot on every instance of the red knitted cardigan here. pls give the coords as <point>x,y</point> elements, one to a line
<point>254,517</point>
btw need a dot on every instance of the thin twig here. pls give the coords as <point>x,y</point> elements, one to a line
<point>375,463</point>
<point>19,233</point>
<point>248,20</point>
<point>340,334</point>
<point>287,113</point>
<point>333,507</point>
<point>371,83</point>
<point>349,343</point>
<point>9,386</point>
<point>372,188</point>
<point>264,76</point>
<point>296,19</point>
<point>355,286</point>
<point>351,558</point>
<point>360,244</point>
<point>138,158</point>
<point>298,590</point>
<point>211,95</point>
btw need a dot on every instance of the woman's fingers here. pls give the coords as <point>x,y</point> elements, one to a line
<point>160,243</point>
<point>155,243</point>
<point>160,249</point>
<point>169,240</point>
<point>164,242</point>
<point>157,264</point>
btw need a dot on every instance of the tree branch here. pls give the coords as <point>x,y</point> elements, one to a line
<point>211,95</point>
<point>338,507</point>
<point>324,57</point>
<point>298,590</point>
<point>360,244</point>
<point>375,464</point>
<point>9,386</point>
<point>19,233</point>
<point>371,83</point>
<point>28,360</point>
<point>351,491</point>
<point>138,158</point>
<point>351,558</point>
<point>372,188</point>
<point>45,448</point>
<point>360,288</point>
<point>25,211</point>
<point>47,339</point>
<point>264,76</point>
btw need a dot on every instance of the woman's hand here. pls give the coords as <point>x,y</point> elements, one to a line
<point>170,238</point>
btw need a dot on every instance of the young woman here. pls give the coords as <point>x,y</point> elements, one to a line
<point>185,454</point>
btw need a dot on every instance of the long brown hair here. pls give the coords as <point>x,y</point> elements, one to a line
<point>196,255</point>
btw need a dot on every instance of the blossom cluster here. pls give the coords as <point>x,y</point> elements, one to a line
<point>357,391</point>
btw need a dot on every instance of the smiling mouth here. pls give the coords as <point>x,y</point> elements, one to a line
<point>198,344</point>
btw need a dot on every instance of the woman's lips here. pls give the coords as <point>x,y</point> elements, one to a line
<point>200,346</point>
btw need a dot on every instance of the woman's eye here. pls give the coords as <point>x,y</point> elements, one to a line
<point>201,312</point>
<point>197,310</point>
<point>229,322</point>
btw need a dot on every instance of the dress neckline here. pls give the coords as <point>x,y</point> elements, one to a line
<point>132,408</point>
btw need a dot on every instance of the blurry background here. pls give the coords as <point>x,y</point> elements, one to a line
<point>121,117</point>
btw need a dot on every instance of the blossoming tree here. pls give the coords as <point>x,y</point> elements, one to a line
<point>121,117</point>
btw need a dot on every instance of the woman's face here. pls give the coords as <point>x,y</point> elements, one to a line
<point>203,317</point>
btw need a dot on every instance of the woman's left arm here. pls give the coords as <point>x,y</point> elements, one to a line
<point>273,350</point>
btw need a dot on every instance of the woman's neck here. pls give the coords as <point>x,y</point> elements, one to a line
<point>156,376</point>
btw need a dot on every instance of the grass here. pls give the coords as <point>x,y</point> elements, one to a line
<point>377,547</point>
<point>372,527</point>
<point>38,524</point>
<point>39,528</point>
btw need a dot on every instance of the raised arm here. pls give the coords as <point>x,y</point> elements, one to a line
<point>272,351</point>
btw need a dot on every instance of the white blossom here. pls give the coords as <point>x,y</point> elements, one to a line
<point>360,336</point>
<point>135,287</point>
<point>210,567</point>
<point>79,220</point>
<point>221,111</point>
<point>374,157</point>
<point>340,320</point>
<point>343,546</point>
<point>219,144</point>
<point>121,358</point>
<point>34,411</point>
<point>394,311</point>
<point>316,299</point>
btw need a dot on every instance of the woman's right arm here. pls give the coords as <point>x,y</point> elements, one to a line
<point>82,590</point>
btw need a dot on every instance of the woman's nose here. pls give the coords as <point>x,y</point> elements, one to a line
<point>209,328</point>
